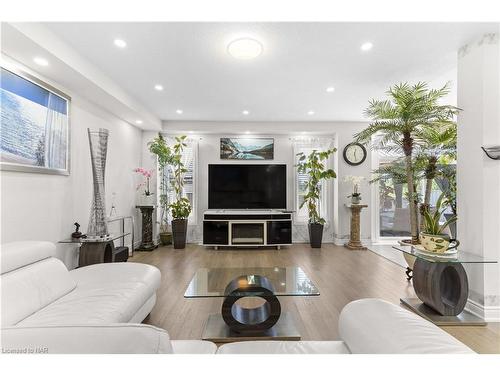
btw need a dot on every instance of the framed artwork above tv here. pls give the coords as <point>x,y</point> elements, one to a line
<point>247,148</point>
<point>35,132</point>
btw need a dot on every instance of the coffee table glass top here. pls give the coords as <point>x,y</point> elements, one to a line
<point>287,281</point>
<point>459,257</point>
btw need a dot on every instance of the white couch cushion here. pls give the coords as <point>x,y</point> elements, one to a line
<point>28,289</point>
<point>373,326</point>
<point>108,339</point>
<point>15,255</point>
<point>105,293</point>
<point>193,347</point>
<point>284,347</point>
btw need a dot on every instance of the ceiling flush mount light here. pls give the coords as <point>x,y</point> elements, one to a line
<point>40,61</point>
<point>179,111</point>
<point>138,122</point>
<point>330,89</point>
<point>245,48</point>
<point>310,113</point>
<point>366,46</point>
<point>120,43</point>
<point>158,87</point>
<point>245,112</point>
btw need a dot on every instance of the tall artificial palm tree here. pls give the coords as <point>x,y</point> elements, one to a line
<point>401,121</point>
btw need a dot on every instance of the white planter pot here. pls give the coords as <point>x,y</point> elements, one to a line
<point>147,200</point>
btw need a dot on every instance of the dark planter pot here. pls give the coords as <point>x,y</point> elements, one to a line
<point>453,226</point>
<point>315,235</point>
<point>179,231</point>
<point>166,238</point>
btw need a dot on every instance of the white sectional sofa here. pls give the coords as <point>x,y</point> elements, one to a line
<point>93,309</point>
<point>97,309</point>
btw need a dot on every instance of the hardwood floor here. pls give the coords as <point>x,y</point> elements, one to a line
<point>341,276</point>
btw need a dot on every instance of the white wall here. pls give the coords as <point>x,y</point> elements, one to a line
<point>478,177</point>
<point>208,135</point>
<point>44,207</point>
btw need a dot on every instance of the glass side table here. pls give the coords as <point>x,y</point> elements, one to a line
<point>442,286</point>
<point>95,250</point>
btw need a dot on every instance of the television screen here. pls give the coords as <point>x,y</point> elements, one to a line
<point>253,186</point>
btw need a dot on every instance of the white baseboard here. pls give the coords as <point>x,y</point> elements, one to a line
<point>488,313</point>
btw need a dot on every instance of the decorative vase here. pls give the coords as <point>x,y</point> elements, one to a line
<point>98,142</point>
<point>437,243</point>
<point>147,200</point>
<point>315,234</point>
<point>356,199</point>
<point>179,233</point>
<point>166,238</point>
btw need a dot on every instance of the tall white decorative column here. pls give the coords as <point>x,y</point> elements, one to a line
<point>478,177</point>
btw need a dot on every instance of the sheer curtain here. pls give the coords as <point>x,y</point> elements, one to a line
<point>189,159</point>
<point>56,132</point>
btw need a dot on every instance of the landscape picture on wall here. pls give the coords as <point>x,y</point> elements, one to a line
<point>34,126</point>
<point>247,148</point>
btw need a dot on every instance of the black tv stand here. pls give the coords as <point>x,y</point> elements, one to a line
<point>247,228</point>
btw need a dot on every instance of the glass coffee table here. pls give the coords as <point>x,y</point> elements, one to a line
<point>442,286</point>
<point>250,309</point>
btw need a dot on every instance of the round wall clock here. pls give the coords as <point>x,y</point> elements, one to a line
<point>354,153</point>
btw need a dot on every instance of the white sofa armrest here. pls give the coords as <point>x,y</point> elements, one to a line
<point>86,339</point>
<point>373,326</point>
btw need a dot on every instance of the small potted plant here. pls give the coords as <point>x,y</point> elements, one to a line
<point>433,238</point>
<point>146,197</point>
<point>165,157</point>
<point>181,208</point>
<point>314,166</point>
<point>355,181</point>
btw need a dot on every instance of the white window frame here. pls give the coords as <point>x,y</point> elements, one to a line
<point>377,239</point>
<point>194,145</point>
<point>326,209</point>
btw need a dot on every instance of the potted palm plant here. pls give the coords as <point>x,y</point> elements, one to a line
<point>165,157</point>
<point>400,121</point>
<point>314,166</point>
<point>433,238</point>
<point>181,208</point>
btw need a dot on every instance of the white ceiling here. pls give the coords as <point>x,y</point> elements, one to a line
<point>300,60</point>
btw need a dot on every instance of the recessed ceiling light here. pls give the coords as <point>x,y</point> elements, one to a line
<point>191,132</point>
<point>179,111</point>
<point>310,113</point>
<point>330,89</point>
<point>138,122</point>
<point>120,43</point>
<point>245,112</point>
<point>41,61</point>
<point>245,48</point>
<point>247,132</point>
<point>366,46</point>
<point>158,87</point>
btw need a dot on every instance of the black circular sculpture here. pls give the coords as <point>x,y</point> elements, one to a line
<point>442,286</point>
<point>250,320</point>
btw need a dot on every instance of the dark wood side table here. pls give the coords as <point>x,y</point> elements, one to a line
<point>355,238</point>
<point>147,243</point>
<point>442,286</point>
<point>98,250</point>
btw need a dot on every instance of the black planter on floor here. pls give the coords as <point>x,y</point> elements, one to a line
<point>179,231</point>
<point>315,235</point>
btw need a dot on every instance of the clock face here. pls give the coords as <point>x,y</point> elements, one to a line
<point>354,153</point>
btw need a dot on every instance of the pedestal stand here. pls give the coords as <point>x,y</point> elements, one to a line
<point>355,242</point>
<point>147,243</point>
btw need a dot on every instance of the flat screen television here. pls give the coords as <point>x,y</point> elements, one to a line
<point>247,186</point>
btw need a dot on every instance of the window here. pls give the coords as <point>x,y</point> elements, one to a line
<point>393,219</point>
<point>307,146</point>
<point>189,158</point>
